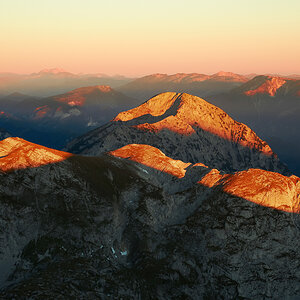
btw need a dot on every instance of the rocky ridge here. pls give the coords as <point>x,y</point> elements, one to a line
<point>193,83</point>
<point>184,127</point>
<point>259,186</point>
<point>114,227</point>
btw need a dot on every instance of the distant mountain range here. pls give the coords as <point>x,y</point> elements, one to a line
<point>271,107</point>
<point>52,121</point>
<point>194,83</point>
<point>268,104</point>
<point>49,82</point>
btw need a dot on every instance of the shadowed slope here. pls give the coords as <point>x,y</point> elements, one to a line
<point>54,120</point>
<point>192,112</point>
<point>102,227</point>
<point>265,188</point>
<point>4,134</point>
<point>184,127</point>
<point>270,106</point>
<point>270,85</point>
<point>49,82</point>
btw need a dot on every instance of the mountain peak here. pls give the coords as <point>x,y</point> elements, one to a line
<point>270,86</point>
<point>52,71</point>
<point>17,96</point>
<point>79,95</point>
<point>155,106</point>
<point>90,89</point>
<point>184,112</point>
<point>16,153</point>
<point>225,76</point>
<point>223,73</point>
<point>184,127</point>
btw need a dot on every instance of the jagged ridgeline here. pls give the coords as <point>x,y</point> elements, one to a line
<point>137,224</point>
<point>184,127</point>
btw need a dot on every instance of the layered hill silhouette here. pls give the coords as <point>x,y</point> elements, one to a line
<point>49,82</point>
<point>53,120</point>
<point>194,83</point>
<point>184,127</point>
<point>136,223</point>
<point>270,85</point>
<point>271,107</point>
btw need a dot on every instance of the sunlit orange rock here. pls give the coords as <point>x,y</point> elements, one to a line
<point>156,106</point>
<point>211,178</point>
<point>270,87</point>
<point>16,153</point>
<point>41,111</point>
<point>194,112</point>
<point>264,188</point>
<point>172,123</point>
<point>152,157</point>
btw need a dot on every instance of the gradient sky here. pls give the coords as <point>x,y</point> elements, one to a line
<point>138,37</point>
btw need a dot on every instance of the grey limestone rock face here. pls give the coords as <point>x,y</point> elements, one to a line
<point>203,146</point>
<point>103,228</point>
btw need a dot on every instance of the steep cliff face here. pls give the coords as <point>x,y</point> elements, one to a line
<point>184,127</point>
<point>124,226</point>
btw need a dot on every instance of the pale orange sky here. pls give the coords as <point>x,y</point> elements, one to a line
<point>138,37</point>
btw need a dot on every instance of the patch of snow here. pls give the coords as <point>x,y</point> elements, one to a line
<point>74,112</point>
<point>91,123</point>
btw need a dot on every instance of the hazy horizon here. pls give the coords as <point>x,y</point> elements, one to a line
<point>143,74</point>
<point>136,38</point>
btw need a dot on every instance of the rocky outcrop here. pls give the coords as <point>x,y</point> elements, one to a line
<point>105,227</point>
<point>16,153</point>
<point>184,127</point>
<point>265,188</point>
